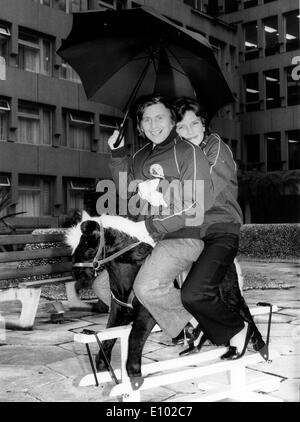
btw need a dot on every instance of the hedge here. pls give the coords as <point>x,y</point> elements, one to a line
<point>270,241</point>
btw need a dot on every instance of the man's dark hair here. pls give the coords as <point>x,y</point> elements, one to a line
<point>148,101</point>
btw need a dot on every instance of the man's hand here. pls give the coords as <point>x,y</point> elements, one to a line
<point>112,139</point>
<point>147,190</point>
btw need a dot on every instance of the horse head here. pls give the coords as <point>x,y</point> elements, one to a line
<point>98,240</point>
<point>85,239</point>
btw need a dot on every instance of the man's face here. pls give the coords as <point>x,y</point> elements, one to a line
<point>157,123</point>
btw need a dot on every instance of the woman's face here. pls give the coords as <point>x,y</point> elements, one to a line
<point>191,128</point>
<point>156,123</point>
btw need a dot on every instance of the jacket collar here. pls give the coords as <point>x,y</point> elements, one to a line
<point>169,140</point>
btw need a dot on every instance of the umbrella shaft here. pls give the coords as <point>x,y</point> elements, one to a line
<point>129,103</point>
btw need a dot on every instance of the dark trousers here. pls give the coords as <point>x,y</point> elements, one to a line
<point>200,292</point>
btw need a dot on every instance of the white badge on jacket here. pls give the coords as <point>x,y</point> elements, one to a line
<point>147,190</point>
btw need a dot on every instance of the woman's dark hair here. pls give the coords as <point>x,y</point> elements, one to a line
<point>148,101</point>
<point>184,104</point>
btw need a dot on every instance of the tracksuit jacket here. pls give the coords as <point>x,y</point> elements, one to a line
<point>174,161</point>
<point>225,215</point>
<point>179,160</point>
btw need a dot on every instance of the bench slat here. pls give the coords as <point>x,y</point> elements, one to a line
<point>38,283</point>
<point>6,274</point>
<point>34,254</point>
<point>16,239</point>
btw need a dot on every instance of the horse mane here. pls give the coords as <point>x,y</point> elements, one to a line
<point>115,222</point>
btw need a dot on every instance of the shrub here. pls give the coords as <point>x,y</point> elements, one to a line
<point>270,241</point>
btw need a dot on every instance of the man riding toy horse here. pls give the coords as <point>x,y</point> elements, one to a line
<point>182,172</point>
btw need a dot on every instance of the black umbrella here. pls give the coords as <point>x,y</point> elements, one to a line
<point>121,54</point>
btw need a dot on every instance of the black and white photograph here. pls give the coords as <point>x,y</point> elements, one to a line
<point>150,204</point>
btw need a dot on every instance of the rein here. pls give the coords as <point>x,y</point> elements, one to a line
<point>97,263</point>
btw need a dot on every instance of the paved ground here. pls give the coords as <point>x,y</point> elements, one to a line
<point>45,365</point>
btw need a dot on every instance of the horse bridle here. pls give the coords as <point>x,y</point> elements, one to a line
<point>98,262</point>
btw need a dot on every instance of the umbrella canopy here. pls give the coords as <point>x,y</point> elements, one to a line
<point>121,54</point>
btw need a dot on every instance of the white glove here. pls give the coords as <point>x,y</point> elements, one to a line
<point>147,190</point>
<point>112,139</point>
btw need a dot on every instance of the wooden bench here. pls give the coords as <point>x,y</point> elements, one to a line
<point>30,261</point>
<point>184,368</point>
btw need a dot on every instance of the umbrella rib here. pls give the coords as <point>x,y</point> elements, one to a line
<point>182,72</point>
<point>178,70</point>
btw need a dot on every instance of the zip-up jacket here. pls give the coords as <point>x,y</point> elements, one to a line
<point>225,215</point>
<point>188,192</point>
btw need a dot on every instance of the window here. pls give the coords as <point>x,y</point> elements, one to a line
<point>232,58</point>
<point>107,4</point>
<point>44,2</point>
<point>218,49</point>
<point>4,181</point>
<point>68,73</point>
<point>62,5</point>
<point>271,35</point>
<point>77,130</point>
<point>292,22</point>
<point>107,125</point>
<point>272,86</point>
<point>35,196</point>
<point>4,39</point>
<point>195,4</point>
<point>212,8</point>
<point>34,124</point>
<point>4,114</point>
<point>273,151</point>
<point>293,139</point>
<point>70,6</point>
<point>250,3</point>
<point>77,193</point>
<point>231,6</point>
<point>251,40</point>
<point>34,53</point>
<point>293,88</point>
<point>77,5</point>
<point>252,92</point>
<point>253,151</point>
<point>4,193</point>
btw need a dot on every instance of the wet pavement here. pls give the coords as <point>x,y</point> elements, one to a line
<point>45,364</point>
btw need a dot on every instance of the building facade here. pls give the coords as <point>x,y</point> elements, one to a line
<point>268,33</point>
<point>53,140</point>
<point>269,51</point>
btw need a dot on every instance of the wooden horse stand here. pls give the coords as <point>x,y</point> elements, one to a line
<point>185,368</point>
